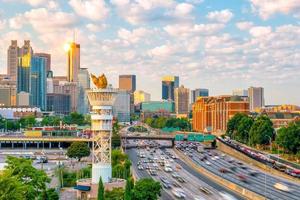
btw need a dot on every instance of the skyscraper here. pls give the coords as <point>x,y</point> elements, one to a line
<point>73,61</point>
<point>26,48</point>
<point>127,82</point>
<point>23,83</point>
<point>38,82</point>
<point>84,83</point>
<point>12,60</point>
<point>256,98</point>
<point>181,97</point>
<point>199,92</point>
<point>169,83</point>
<point>48,60</point>
<point>141,96</point>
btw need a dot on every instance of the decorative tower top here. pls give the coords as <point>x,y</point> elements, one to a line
<point>100,82</point>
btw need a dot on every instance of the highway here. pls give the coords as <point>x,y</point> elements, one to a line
<point>261,183</point>
<point>193,179</point>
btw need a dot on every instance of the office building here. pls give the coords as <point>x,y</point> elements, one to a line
<point>181,99</point>
<point>8,95</point>
<point>84,84</point>
<point>256,98</point>
<point>24,70</point>
<point>38,82</point>
<point>169,83</point>
<point>141,96</point>
<point>199,92</point>
<point>240,92</point>
<point>59,103</point>
<point>127,82</point>
<point>69,88</point>
<point>73,61</point>
<point>23,99</point>
<point>48,59</point>
<point>26,49</point>
<point>211,114</point>
<point>12,60</point>
<point>121,107</point>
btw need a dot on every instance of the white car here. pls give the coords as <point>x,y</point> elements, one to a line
<point>281,186</point>
<point>179,193</point>
<point>208,163</point>
<point>227,196</point>
<point>168,169</point>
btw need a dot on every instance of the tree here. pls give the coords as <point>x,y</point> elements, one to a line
<point>243,129</point>
<point>233,123</point>
<point>146,189</point>
<point>78,150</point>
<point>74,118</point>
<point>114,194</point>
<point>51,121</point>
<point>51,194</point>
<point>289,138</point>
<point>32,180</point>
<point>11,188</point>
<point>128,188</point>
<point>100,195</point>
<point>262,131</point>
<point>28,121</point>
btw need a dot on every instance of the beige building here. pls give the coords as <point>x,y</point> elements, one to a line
<point>8,95</point>
<point>256,98</point>
<point>181,98</point>
<point>73,61</point>
<point>141,96</point>
<point>12,60</point>
<point>23,99</point>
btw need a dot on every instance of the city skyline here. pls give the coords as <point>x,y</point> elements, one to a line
<point>208,45</point>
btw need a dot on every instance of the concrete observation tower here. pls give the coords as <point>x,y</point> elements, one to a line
<point>101,99</point>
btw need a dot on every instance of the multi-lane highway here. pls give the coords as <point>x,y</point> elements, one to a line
<point>192,184</point>
<point>242,174</point>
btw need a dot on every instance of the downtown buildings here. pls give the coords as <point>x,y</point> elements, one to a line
<point>256,98</point>
<point>169,83</point>
<point>181,99</point>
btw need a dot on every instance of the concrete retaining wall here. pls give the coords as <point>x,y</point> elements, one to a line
<point>231,151</point>
<point>231,186</point>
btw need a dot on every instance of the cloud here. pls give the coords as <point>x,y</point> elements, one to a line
<point>95,28</point>
<point>245,25</point>
<point>187,30</point>
<point>267,8</point>
<point>183,10</point>
<point>259,31</point>
<point>133,36</point>
<point>222,16</point>
<point>2,24</point>
<point>93,10</point>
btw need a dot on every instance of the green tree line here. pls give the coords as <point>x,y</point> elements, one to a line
<point>160,122</point>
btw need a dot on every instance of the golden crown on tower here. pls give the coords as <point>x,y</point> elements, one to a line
<point>100,82</point>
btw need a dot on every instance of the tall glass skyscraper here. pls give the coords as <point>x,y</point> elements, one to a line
<point>38,82</point>
<point>169,83</point>
<point>24,67</point>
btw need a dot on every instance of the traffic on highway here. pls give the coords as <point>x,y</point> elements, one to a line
<point>240,173</point>
<point>163,165</point>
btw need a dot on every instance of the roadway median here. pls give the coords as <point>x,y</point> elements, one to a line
<point>231,186</point>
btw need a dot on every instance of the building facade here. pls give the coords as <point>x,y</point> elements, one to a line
<point>23,99</point>
<point>127,82</point>
<point>155,106</point>
<point>211,114</point>
<point>83,85</point>
<point>12,60</point>
<point>141,96</point>
<point>38,82</point>
<point>59,103</point>
<point>8,95</point>
<point>169,83</point>
<point>69,88</point>
<point>24,70</point>
<point>199,92</point>
<point>181,98</point>
<point>256,98</point>
<point>73,61</point>
<point>47,56</point>
<point>121,107</point>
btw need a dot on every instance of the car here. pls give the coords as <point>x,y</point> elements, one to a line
<point>244,167</point>
<point>140,167</point>
<point>167,185</point>
<point>179,193</point>
<point>231,160</point>
<point>242,177</point>
<point>152,172</point>
<point>227,196</point>
<point>233,168</point>
<point>208,163</point>
<point>205,190</point>
<point>175,175</point>
<point>282,187</point>
<point>253,173</point>
<point>175,184</point>
<point>181,180</point>
<point>168,169</point>
<point>164,180</point>
<point>223,170</point>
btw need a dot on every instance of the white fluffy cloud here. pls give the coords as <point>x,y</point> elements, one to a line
<point>93,9</point>
<point>183,10</point>
<point>96,27</point>
<point>245,25</point>
<point>133,36</point>
<point>259,31</point>
<point>267,8</point>
<point>222,16</point>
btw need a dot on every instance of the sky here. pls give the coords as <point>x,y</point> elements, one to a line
<point>215,44</point>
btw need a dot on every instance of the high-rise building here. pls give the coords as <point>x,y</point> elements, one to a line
<point>199,92</point>
<point>38,82</point>
<point>70,88</point>
<point>8,95</point>
<point>24,65</point>
<point>141,96</point>
<point>181,98</point>
<point>12,60</point>
<point>127,82</point>
<point>256,98</point>
<point>73,61</point>
<point>169,83</point>
<point>48,59</point>
<point>211,114</point>
<point>26,48</point>
<point>84,84</point>
<point>121,107</point>
<point>59,103</point>
<point>240,92</point>
<point>23,99</point>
